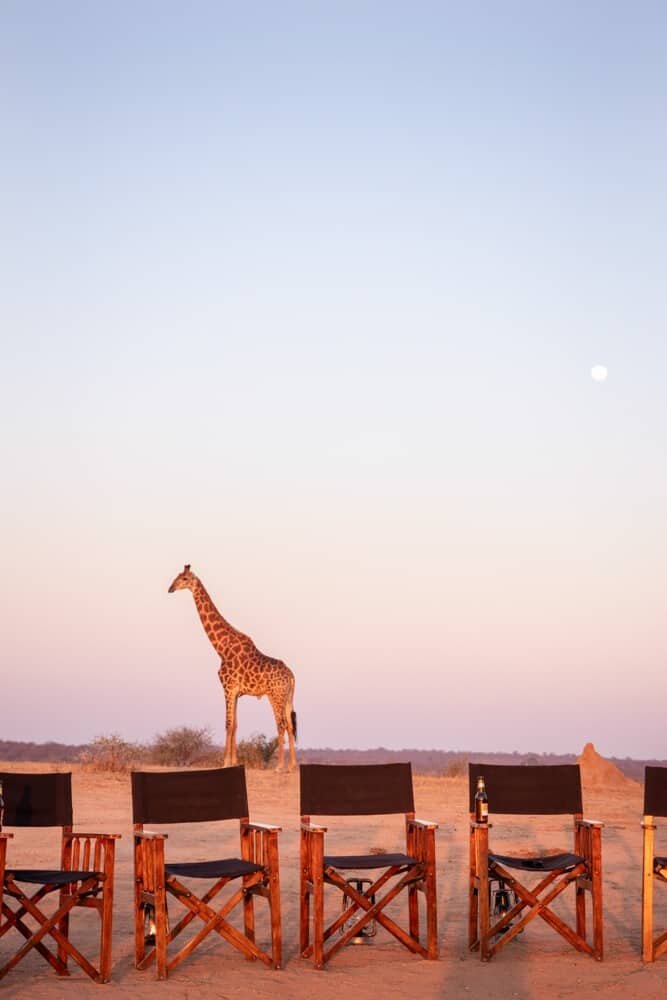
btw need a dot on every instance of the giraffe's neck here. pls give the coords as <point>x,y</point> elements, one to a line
<point>219,631</point>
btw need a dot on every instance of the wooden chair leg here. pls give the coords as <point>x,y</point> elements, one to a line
<point>63,927</point>
<point>580,909</point>
<point>413,912</point>
<point>248,854</point>
<point>478,891</point>
<point>159,878</point>
<point>473,919</point>
<point>304,898</point>
<point>580,890</point>
<point>431,899</point>
<point>596,893</point>
<point>106,913</point>
<point>483,894</point>
<point>161,931</point>
<point>66,864</point>
<point>413,891</point>
<point>473,902</point>
<point>318,901</point>
<point>274,902</point>
<point>648,954</point>
<point>249,916</point>
<point>139,921</point>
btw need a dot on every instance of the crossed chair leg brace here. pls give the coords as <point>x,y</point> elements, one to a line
<point>78,886</point>
<point>587,876</point>
<point>419,877</point>
<point>154,884</point>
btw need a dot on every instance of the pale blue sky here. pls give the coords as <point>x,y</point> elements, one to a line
<point>308,295</point>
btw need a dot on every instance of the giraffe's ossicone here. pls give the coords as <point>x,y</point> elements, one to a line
<point>244,670</point>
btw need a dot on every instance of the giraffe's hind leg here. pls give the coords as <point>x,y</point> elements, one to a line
<point>282,704</point>
<point>290,721</point>
<point>277,704</point>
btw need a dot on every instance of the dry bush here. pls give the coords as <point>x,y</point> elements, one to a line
<point>456,768</point>
<point>257,751</point>
<point>182,746</point>
<point>111,753</point>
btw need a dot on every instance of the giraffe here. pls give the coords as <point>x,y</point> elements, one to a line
<point>244,670</point>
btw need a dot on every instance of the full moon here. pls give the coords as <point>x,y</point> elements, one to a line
<point>599,373</point>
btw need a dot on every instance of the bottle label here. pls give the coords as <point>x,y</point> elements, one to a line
<point>481,811</point>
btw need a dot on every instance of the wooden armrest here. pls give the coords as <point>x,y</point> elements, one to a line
<point>592,824</point>
<point>268,827</point>
<point>6,836</point>
<point>425,824</point>
<point>313,828</point>
<point>70,835</point>
<point>150,835</point>
<point>474,825</point>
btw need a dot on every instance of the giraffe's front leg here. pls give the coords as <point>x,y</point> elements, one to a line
<point>280,766</point>
<point>235,715</point>
<point>230,728</point>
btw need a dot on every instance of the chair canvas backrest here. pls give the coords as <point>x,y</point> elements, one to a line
<point>37,799</point>
<point>528,790</point>
<point>189,796</point>
<point>356,789</point>
<point>655,791</point>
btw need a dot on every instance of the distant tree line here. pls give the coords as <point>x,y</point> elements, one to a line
<point>56,752</point>
<point>186,746</point>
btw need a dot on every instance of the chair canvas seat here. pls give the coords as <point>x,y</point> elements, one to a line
<point>56,877</point>
<point>367,861</point>
<point>224,868</point>
<point>549,863</point>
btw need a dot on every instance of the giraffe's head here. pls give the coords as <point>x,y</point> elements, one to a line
<point>184,580</point>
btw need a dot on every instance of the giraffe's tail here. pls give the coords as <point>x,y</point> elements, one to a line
<point>293,718</point>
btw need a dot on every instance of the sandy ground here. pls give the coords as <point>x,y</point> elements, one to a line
<point>537,964</point>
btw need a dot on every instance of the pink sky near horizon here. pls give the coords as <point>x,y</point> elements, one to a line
<point>311,302</point>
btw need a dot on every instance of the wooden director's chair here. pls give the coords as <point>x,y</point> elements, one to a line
<point>84,878</point>
<point>363,790</point>
<point>532,791</point>
<point>195,797</point>
<point>654,869</point>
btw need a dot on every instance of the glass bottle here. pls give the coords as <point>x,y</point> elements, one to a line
<point>481,802</point>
